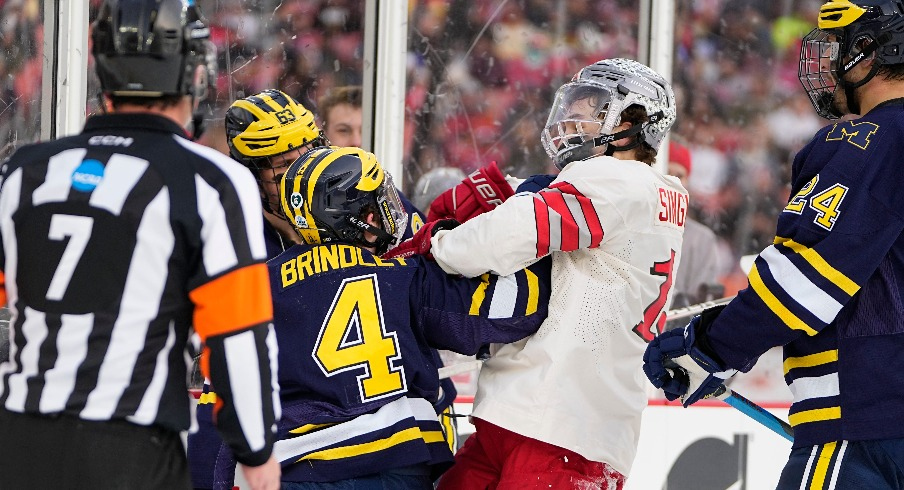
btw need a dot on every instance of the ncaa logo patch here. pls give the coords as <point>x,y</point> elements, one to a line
<point>296,200</point>
<point>88,175</point>
<point>301,222</point>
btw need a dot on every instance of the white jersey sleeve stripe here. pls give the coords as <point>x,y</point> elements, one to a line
<point>273,349</point>
<point>247,375</point>
<point>247,192</point>
<point>219,252</point>
<point>583,228</point>
<point>505,296</point>
<point>815,387</point>
<point>150,402</point>
<point>799,287</point>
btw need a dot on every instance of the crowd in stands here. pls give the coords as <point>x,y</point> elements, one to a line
<point>481,75</point>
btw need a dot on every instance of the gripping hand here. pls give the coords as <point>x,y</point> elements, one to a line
<point>536,183</point>
<point>697,374</point>
<point>419,244</point>
<point>479,192</point>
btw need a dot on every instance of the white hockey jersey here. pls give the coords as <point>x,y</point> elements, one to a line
<point>577,383</point>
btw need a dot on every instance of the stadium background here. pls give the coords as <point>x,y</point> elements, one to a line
<point>479,79</point>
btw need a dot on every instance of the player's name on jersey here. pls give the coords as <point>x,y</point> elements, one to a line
<point>672,207</point>
<point>324,258</point>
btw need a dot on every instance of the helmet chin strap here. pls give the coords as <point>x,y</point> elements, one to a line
<point>585,151</point>
<point>852,103</point>
<point>383,241</point>
<point>849,87</point>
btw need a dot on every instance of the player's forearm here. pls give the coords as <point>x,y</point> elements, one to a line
<point>499,241</point>
<point>243,372</point>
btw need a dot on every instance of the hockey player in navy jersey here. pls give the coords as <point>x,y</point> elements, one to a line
<point>830,287</point>
<point>266,132</point>
<point>357,372</point>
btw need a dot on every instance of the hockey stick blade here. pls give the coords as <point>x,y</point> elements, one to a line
<point>757,413</point>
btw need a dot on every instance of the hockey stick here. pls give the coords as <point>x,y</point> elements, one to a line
<point>676,314</point>
<point>741,404</point>
<point>755,412</point>
<point>461,367</point>
<point>693,310</point>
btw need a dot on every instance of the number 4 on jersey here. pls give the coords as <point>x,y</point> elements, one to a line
<point>354,337</point>
<point>654,313</point>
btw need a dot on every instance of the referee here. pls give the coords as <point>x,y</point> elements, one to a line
<point>115,243</point>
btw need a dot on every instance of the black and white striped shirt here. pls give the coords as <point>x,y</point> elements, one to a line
<point>116,242</point>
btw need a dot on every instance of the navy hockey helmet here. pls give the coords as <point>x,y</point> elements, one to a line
<point>328,192</point>
<point>849,32</point>
<point>587,110</point>
<point>151,48</point>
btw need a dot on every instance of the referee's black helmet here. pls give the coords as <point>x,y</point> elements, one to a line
<point>151,48</point>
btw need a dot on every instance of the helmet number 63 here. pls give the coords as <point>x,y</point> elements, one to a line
<point>353,337</point>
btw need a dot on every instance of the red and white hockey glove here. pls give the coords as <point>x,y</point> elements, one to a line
<point>419,244</point>
<point>478,193</point>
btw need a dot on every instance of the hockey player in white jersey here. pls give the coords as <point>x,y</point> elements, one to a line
<point>562,408</point>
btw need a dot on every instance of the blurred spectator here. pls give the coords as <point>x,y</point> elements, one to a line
<point>695,281</point>
<point>21,63</point>
<point>341,113</point>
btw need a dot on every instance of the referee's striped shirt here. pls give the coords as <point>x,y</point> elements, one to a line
<point>115,243</point>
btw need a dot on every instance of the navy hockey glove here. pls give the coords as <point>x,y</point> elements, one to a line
<point>419,244</point>
<point>536,183</point>
<point>701,376</point>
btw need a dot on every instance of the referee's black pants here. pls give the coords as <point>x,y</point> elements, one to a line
<point>65,452</point>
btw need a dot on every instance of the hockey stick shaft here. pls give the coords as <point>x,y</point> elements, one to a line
<point>693,310</point>
<point>757,413</point>
<point>461,367</point>
<point>676,314</point>
<point>741,404</point>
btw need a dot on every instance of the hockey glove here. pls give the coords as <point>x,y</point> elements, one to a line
<point>478,193</point>
<point>536,183</point>
<point>703,374</point>
<point>419,244</point>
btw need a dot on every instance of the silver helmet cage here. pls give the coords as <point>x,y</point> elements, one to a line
<point>590,107</point>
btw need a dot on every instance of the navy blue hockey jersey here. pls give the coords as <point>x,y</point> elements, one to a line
<point>830,287</point>
<point>210,460</point>
<point>357,374</point>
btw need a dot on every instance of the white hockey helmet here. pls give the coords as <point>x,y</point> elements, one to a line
<point>588,108</point>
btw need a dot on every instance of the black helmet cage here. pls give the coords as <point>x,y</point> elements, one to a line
<point>151,48</point>
<point>834,48</point>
